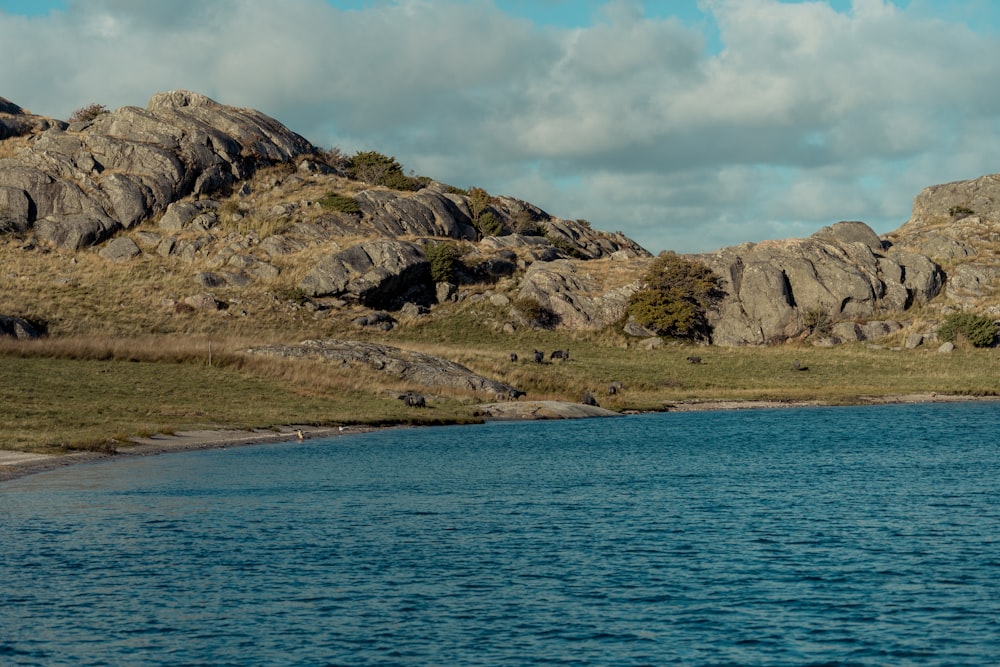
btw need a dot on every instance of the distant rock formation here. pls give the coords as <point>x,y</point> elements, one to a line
<point>78,184</point>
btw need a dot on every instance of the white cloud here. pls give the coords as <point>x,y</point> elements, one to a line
<point>805,116</point>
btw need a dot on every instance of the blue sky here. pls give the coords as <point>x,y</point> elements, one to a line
<point>688,124</point>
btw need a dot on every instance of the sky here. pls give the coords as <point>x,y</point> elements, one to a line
<point>689,125</point>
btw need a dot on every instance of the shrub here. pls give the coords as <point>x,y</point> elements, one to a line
<point>88,113</point>
<point>959,212</point>
<point>525,225</point>
<point>337,202</point>
<point>378,169</point>
<point>979,330</point>
<point>676,298</point>
<point>535,313</point>
<point>444,259</point>
<point>488,224</point>
<point>334,158</point>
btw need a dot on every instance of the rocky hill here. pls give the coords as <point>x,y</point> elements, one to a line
<point>192,206</point>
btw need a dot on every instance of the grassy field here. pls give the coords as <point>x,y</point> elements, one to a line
<point>91,393</point>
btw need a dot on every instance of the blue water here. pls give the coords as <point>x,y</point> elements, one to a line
<point>827,536</point>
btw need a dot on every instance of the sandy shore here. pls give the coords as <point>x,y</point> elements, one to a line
<point>18,464</point>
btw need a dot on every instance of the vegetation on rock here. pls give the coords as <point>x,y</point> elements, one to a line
<point>445,259</point>
<point>378,169</point>
<point>341,203</point>
<point>88,113</point>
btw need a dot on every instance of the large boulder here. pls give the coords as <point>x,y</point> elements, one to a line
<point>425,213</point>
<point>381,273</point>
<point>577,298</point>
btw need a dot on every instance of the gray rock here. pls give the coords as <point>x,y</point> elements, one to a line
<point>913,341</point>
<point>132,163</point>
<point>376,273</point>
<point>15,210</point>
<point>209,279</point>
<point>945,348</point>
<point>76,230</point>
<point>121,249</point>
<point>203,301</point>
<point>577,298</point>
<point>773,289</point>
<point>444,292</point>
<point>851,232</point>
<point>181,214</point>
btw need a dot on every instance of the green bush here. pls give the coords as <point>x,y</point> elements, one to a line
<point>959,212</point>
<point>488,224</point>
<point>676,298</point>
<point>445,259</point>
<point>342,203</point>
<point>979,330</point>
<point>378,169</point>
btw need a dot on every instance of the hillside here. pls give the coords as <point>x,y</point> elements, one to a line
<point>250,278</point>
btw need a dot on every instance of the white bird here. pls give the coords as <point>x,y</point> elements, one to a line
<point>298,432</point>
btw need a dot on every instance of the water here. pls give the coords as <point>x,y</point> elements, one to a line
<point>827,536</point>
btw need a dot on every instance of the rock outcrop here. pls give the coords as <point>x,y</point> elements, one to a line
<point>576,298</point>
<point>416,368</point>
<point>378,273</point>
<point>78,184</point>
<point>958,224</point>
<point>777,290</point>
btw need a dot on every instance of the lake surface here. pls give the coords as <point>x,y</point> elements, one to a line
<point>812,536</point>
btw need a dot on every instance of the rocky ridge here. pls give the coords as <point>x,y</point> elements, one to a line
<point>253,215</point>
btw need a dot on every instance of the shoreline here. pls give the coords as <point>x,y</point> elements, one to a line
<point>15,464</point>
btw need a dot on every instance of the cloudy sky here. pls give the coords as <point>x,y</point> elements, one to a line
<point>688,124</point>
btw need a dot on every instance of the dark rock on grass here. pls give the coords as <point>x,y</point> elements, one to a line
<point>20,328</point>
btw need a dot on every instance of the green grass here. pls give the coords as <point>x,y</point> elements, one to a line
<point>52,405</point>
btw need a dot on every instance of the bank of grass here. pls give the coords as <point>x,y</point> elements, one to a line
<point>79,395</point>
<point>93,392</point>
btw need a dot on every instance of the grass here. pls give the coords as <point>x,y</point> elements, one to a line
<point>50,402</point>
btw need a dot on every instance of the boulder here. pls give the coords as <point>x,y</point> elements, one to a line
<point>425,213</point>
<point>377,273</point>
<point>121,249</point>
<point>576,298</point>
<point>15,210</point>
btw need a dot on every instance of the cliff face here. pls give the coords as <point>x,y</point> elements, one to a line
<point>248,214</point>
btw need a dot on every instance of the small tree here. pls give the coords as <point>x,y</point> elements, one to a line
<point>444,259</point>
<point>88,113</point>
<point>378,169</point>
<point>676,298</point>
<point>979,330</point>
